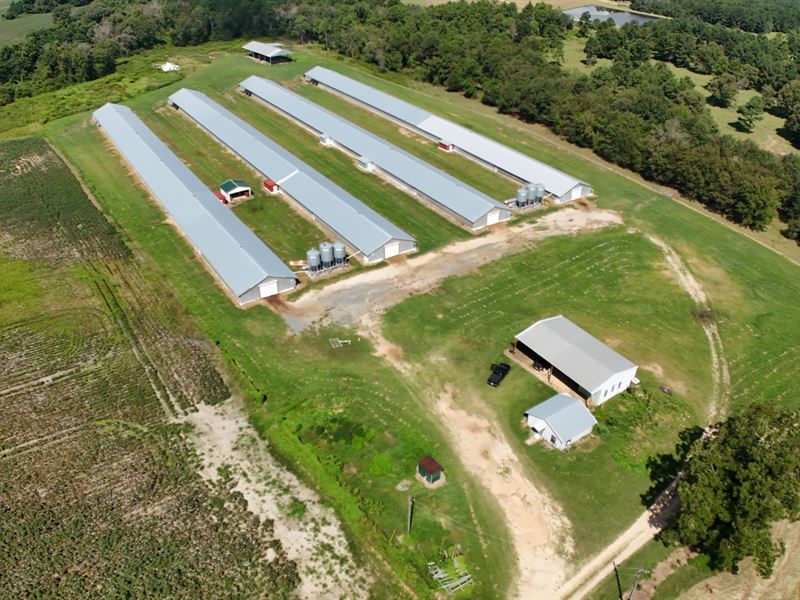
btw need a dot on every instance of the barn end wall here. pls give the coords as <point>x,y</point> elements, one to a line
<point>615,386</point>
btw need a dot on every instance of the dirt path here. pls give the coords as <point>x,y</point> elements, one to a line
<point>539,530</point>
<point>720,372</point>
<point>373,291</point>
<point>633,539</point>
<point>654,518</point>
<point>311,536</point>
<point>647,588</point>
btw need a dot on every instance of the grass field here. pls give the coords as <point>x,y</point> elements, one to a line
<point>97,357</point>
<point>765,133</point>
<point>15,30</point>
<point>614,285</point>
<point>328,412</point>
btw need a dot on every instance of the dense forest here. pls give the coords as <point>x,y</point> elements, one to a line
<point>757,16</point>
<point>635,113</point>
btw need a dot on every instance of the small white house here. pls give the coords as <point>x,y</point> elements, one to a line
<point>169,66</point>
<point>561,421</point>
<point>581,361</point>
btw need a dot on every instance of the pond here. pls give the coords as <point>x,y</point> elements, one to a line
<point>601,13</point>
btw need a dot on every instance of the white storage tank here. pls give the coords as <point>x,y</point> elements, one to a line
<point>326,253</point>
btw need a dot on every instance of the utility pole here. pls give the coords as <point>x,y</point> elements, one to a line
<point>410,513</point>
<point>619,583</point>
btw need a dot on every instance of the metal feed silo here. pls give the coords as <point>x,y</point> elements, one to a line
<point>313,259</point>
<point>326,253</point>
<point>339,252</point>
<point>522,197</point>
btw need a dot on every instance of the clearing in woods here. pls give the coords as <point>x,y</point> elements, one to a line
<point>356,426</point>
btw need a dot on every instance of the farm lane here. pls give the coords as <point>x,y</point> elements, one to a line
<point>372,292</point>
<point>652,520</point>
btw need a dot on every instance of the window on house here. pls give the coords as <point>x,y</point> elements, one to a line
<point>552,439</point>
<point>605,393</point>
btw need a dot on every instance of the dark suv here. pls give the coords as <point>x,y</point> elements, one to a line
<point>498,373</point>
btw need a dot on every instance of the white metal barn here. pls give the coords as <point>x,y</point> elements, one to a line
<point>561,420</point>
<point>450,136</point>
<point>584,363</point>
<point>270,53</point>
<point>241,260</point>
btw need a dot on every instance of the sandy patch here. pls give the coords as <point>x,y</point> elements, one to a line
<point>539,529</point>
<point>372,292</point>
<point>315,540</point>
<point>747,585</point>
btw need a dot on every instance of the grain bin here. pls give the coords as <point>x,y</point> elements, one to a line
<point>339,252</point>
<point>313,259</point>
<point>326,253</point>
<point>522,197</point>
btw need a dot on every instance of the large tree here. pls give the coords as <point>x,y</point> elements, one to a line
<point>740,479</point>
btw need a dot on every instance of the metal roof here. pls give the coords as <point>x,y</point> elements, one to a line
<point>240,259</point>
<point>517,164</point>
<point>360,226</point>
<point>566,416</point>
<point>582,357</point>
<point>232,184</point>
<point>268,50</point>
<point>461,199</point>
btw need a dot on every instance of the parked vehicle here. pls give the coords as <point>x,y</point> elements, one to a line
<point>498,374</point>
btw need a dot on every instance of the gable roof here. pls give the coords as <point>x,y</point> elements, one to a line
<point>460,198</point>
<point>517,164</point>
<point>238,257</point>
<point>360,226</point>
<point>430,465</point>
<point>232,184</point>
<point>566,416</point>
<point>268,50</point>
<point>573,351</point>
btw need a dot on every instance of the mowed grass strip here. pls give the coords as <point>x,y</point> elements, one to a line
<point>410,214</point>
<point>281,227</point>
<point>470,172</point>
<point>611,283</point>
<point>301,381</point>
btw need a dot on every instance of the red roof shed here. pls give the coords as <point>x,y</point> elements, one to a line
<point>219,195</point>
<point>270,185</point>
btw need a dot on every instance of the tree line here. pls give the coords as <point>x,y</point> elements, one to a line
<point>757,16</point>
<point>634,113</point>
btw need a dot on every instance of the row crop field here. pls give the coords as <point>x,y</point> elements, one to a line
<point>101,495</point>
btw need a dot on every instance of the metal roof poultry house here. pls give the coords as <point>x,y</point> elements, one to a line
<point>366,232</point>
<point>247,267</point>
<point>462,202</point>
<point>560,186</point>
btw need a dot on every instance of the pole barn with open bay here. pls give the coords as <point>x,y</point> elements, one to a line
<point>243,262</point>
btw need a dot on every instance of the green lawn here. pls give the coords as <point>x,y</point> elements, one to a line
<point>611,283</point>
<point>15,30</point>
<point>647,558</point>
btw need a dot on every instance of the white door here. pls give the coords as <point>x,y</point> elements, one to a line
<point>391,249</point>
<point>492,218</point>
<point>269,288</point>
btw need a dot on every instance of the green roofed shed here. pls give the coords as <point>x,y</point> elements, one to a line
<point>233,189</point>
